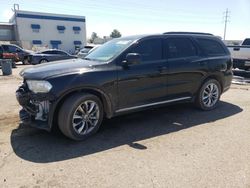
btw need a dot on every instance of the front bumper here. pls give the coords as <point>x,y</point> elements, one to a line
<point>35,107</point>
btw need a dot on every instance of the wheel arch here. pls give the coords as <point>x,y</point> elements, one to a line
<point>42,60</point>
<point>213,76</point>
<point>107,105</point>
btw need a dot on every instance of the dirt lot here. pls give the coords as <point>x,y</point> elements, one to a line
<point>176,146</point>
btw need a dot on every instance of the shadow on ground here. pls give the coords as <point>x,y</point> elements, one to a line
<point>42,147</point>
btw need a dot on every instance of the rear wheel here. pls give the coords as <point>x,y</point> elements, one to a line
<point>80,116</point>
<point>43,61</point>
<point>209,95</point>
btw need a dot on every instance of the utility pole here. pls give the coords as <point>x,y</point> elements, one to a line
<point>226,20</point>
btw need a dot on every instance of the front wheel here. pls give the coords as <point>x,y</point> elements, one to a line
<point>80,116</point>
<point>25,61</point>
<point>208,95</point>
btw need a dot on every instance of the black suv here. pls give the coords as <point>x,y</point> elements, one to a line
<point>125,75</point>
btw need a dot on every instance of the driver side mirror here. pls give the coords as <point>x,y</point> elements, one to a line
<point>18,50</point>
<point>132,59</point>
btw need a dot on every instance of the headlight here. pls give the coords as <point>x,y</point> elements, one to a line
<point>39,86</point>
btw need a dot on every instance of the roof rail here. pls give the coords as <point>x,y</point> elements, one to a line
<point>195,33</point>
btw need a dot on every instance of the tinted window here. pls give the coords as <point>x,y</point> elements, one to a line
<point>149,50</point>
<point>12,49</point>
<point>211,47</point>
<point>47,52</point>
<point>1,52</point>
<point>179,47</point>
<point>50,52</point>
<point>246,42</point>
<point>60,53</point>
<point>5,48</point>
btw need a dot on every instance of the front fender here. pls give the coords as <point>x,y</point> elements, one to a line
<point>55,107</point>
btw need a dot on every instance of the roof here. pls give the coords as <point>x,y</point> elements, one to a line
<point>137,37</point>
<point>48,16</point>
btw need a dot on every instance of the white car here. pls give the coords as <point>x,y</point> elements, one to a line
<point>241,55</point>
<point>86,50</point>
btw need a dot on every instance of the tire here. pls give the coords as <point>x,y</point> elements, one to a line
<point>26,62</point>
<point>73,120</point>
<point>43,61</point>
<point>209,95</point>
<point>13,64</point>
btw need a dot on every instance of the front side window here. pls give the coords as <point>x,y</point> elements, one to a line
<point>149,49</point>
<point>179,48</point>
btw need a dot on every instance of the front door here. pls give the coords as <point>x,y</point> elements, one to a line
<point>143,83</point>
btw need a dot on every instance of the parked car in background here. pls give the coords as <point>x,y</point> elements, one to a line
<point>241,55</point>
<point>12,56</point>
<point>49,55</point>
<point>86,50</point>
<point>125,75</point>
<point>17,53</point>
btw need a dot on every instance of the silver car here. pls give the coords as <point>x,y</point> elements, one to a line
<point>86,50</point>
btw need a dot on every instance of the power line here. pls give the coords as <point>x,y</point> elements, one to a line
<point>226,20</point>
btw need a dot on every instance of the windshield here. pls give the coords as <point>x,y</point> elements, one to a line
<point>109,50</point>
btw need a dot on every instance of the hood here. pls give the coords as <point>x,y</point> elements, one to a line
<point>29,51</point>
<point>58,68</point>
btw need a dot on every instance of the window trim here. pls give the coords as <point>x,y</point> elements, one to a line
<point>143,40</point>
<point>213,40</point>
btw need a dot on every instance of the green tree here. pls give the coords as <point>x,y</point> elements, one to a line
<point>93,37</point>
<point>115,34</point>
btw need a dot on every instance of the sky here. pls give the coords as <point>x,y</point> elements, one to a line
<point>132,17</point>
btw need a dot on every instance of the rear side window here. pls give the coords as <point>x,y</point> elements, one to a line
<point>179,47</point>
<point>149,49</point>
<point>246,42</point>
<point>60,53</point>
<point>48,52</point>
<point>211,47</point>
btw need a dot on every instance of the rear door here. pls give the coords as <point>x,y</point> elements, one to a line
<point>143,83</point>
<point>185,66</point>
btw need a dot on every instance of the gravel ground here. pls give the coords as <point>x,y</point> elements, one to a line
<point>175,146</point>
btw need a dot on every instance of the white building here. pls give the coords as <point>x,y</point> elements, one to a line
<point>36,29</point>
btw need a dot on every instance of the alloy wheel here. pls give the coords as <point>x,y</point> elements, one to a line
<point>210,95</point>
<point>86,117</point>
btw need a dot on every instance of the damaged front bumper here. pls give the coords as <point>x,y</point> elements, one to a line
<point>36,107</point>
